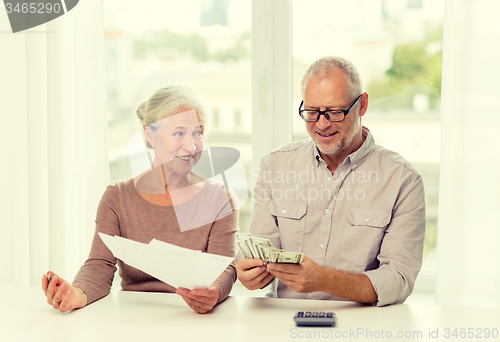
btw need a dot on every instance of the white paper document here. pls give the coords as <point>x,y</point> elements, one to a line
<point>174,265</point>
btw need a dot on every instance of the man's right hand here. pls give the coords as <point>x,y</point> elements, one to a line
<point>253,274</point>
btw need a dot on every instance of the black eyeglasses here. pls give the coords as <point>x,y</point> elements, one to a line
<point>333,115</point>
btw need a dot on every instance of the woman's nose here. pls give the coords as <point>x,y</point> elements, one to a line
<point>189,144</point>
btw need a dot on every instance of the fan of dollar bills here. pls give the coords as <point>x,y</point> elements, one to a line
<point>254,247</point>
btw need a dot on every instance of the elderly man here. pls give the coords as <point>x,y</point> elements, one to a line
<point>353,208</point>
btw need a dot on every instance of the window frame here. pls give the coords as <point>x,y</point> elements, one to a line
<point>272,77</point>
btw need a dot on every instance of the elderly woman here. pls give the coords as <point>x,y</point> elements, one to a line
<point>170,202</point>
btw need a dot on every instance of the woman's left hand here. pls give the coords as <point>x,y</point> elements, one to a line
<point>200,300</point>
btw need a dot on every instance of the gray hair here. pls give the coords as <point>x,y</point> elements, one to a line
<point>325,66</point>
<point>168,101</point>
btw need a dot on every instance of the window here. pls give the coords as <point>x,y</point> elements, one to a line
<point>397,47</point>
<point>202,43</point>
<point>237,118</point>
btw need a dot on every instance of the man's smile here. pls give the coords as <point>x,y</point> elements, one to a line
<point>323,136</point>
<point>327,134</point>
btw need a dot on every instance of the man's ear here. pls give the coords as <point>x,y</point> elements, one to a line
<point>363,107</point>
<point>149,135</point>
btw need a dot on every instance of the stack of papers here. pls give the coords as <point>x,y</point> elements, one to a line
<point>174,265</point>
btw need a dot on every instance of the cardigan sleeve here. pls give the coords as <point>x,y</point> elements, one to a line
<point>222,241</point>
<point>95,277</point>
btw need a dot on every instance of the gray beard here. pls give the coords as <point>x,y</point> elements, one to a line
<point>339,147</point>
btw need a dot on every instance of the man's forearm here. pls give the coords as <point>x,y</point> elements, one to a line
<point>350,286</point>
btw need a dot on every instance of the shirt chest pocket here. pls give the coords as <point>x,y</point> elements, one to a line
<point>291,219</point>
<point>363,234</point>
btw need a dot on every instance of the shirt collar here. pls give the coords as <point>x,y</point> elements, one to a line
<point>358,156</point>
<point>317,156</point>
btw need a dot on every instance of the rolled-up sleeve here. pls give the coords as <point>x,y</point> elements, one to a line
<point>401,249</point>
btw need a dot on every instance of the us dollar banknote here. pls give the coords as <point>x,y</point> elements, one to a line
<point>262,248</point>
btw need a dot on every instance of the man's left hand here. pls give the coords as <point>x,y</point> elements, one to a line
<point>303,278</point>
<point>200,300</point>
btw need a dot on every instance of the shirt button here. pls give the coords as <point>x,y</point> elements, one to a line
<point>327,211</point>
<point>367,219</point>
<point>284,212</point>
<point>322,246</point>
<point>329,179</point>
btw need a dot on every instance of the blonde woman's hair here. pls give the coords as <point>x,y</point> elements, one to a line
<point>168,101</point>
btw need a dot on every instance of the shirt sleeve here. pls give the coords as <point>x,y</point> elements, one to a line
<point>400,256</point>
<point>222,242</point>
<point>95,277</point>
<point>262,222</point>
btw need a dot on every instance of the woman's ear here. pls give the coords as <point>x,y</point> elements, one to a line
<point>149,136</point>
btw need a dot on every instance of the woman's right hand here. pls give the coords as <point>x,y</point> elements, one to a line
<point>61,295</point>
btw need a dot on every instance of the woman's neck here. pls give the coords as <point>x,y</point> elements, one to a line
<point>173,181</point>
<point>159,180</point>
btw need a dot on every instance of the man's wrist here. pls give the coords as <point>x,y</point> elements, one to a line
<point>327,279</point>
<point>350,286</point>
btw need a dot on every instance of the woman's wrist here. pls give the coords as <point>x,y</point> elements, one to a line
<point>218,293</point>
<point>81,295</point>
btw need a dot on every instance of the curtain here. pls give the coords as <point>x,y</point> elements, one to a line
<point>53,144</point>
<point>468,273</point>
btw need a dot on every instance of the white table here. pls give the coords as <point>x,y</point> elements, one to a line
<point>134,316</point>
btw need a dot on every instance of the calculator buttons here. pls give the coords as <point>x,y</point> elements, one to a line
<point>315,319</point>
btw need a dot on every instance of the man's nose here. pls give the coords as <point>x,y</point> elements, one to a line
<point>323,123</point>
